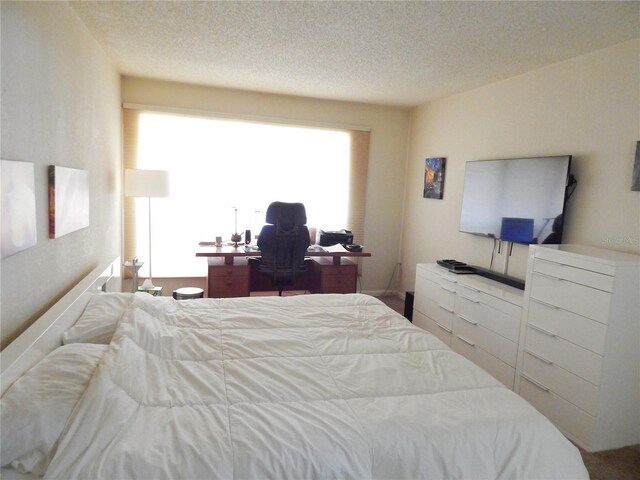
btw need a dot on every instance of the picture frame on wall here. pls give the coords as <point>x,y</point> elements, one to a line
<point>68,200</point>
<point>434,170</point>
<point>18,207</point>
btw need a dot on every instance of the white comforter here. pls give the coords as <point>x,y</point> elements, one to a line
<point>317,386</point>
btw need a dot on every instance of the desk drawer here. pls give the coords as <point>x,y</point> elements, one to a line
<point>588,302</point>
<point>430,325</point>
<point>230,286</point>
<point>498,369</point>
<point>229,271</point>
<point>345,283</point>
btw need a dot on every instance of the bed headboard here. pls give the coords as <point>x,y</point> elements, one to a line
<point>45,334</point>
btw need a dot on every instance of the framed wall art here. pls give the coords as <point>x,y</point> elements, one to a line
<point>18,207</point>
<point>635,177</point>
<point>434,170</point>
<point>68,200</point>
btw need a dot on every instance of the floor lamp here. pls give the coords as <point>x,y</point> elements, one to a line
<point>150,184</point>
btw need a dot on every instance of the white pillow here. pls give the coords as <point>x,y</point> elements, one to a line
<point>99,319</point>
<point>35,409</point>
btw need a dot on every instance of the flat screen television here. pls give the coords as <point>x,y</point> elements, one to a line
<point>520,200</point>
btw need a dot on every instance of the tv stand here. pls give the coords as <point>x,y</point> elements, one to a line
<point>500,277</point>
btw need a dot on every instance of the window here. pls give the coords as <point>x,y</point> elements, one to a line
<point>218,166</point>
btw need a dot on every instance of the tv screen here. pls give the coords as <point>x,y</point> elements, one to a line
<point>520,200</point>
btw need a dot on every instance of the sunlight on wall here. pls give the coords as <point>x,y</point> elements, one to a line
<point>216,165</point>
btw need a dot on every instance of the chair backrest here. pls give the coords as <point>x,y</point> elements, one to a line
<point>283,244</point>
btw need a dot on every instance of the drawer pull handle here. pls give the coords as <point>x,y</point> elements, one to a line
<point>533,382</point>
<point>467,320</point>
<point>549,305</point>
<point>557,279</point>
<point>445,309</point>
<point>471,288</point>
<point>470,299</point>
<point>468,342</point>
<point>539,357</point>
<point>552,262</point>
<point>542,330</point>
<point>443,327</point>
<point>446,289</point>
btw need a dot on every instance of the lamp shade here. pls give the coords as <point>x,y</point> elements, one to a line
<point>146,183</point>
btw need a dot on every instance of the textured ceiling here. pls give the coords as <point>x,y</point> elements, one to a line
<point>393,53</point>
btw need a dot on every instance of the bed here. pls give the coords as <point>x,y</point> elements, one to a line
<point>311,386</point>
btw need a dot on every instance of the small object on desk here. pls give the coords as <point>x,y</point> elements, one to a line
<point>335,248</point>
<point>155,291</point>
<point>218,242</point>
<point>353,248</point>
<point>236,238</point>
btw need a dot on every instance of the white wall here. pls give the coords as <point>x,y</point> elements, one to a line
<point>60,106</point>
<point>588,107</point>
<point>387,160</point>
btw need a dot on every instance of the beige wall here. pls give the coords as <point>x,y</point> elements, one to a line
<point>588,107</point>
<point>60,106</point>
<point>389,127</point>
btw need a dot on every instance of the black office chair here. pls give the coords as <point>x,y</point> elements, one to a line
<point>283,244</point>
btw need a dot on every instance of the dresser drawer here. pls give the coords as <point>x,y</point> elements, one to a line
<point>576,275</point>
<point>575,328</point>
<point>573,420</point>
<point>440,311</point>
<point>441,292</point>
<point>496,345</point>
<point>563,383</point>
<point>498,369</point>
<point>430,325</point>
<point>577,360</point>
<point>588,302</point>
<point>477,311</point>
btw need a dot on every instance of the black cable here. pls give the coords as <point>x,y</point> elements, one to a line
<point>572,184</point>
<point>493,253</point>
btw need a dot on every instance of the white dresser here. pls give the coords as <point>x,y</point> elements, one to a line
<point>579,361</point>
<point>479,318</point>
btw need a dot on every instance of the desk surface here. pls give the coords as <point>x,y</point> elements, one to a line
<point>229,252</point>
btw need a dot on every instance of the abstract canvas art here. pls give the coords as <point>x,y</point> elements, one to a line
<point>68,200</point>
<point>434,177</point>
<point>18,207</point>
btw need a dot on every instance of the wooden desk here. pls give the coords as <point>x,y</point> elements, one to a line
<point>229,274</point>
